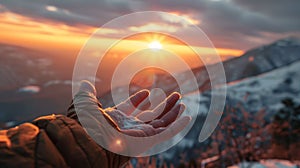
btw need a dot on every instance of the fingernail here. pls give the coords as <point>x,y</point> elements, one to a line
<point>178,96</point>
<point>145,91</point>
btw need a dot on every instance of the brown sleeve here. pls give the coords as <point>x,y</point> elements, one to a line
<point>76,147</point>
<point>27,146</point>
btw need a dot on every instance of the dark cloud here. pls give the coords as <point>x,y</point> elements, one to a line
<point>236,25</point>
<point>282,9</point>
<point>241,24</point>
<point>73,12</point>
<point>284,15</point>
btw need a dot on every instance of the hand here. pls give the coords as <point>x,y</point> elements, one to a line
<point>133,117</point>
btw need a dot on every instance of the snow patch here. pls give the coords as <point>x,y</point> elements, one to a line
<point>30,89</point>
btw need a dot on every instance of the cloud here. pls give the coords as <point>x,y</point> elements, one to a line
<point>229,23</point>
<point>235,23</point>
<point>73,12</point>
<point>154,27</point>
<point>284,15</point>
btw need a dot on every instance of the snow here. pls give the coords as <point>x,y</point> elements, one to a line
<point>68,82</point>
<point>256,92</point>
<point>192,101</point>
<point>267,164</point>
<point>30,89</point>
<point>208,160</point>
<point>124,121</point>
<point>186,143</point>
<point>10,124</point>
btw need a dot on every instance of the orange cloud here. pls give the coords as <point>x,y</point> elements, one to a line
<point>53,36</point>
<point>19,30</point>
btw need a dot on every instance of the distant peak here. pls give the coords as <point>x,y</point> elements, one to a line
<point>288,41</point>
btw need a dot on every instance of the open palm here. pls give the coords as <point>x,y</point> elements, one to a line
<point>135,117</point>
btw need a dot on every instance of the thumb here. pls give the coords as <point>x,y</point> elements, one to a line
<point>86,86</point>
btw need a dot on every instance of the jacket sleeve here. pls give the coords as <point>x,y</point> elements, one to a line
<point>28,146</point>
<point>76,147</point>
<point>54,141</point>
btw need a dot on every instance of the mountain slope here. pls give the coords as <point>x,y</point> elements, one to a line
<point>258,96</point>
<point>252,63</point>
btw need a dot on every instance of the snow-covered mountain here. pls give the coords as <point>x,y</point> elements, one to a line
<point>254,62</point>
<point>264,92</point>
<point>254,94</point>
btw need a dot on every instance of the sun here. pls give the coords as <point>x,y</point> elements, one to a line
<point>155,45</point>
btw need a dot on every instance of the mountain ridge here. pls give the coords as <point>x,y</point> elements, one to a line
<point>254,62</point>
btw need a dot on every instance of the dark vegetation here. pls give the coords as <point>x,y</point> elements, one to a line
<point>242,136</point>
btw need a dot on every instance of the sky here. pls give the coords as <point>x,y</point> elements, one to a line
<point>233,26</point>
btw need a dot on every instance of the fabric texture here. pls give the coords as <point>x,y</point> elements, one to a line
<point>54,141</point>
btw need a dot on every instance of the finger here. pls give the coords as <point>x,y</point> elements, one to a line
<point>146,116</point>
<point>86,95</point>
<point>134,132</point>
<point>167,105</point>
<point>87,106</point>
<point>170,117</point>
<point>173,129</point>
<point>180,112</point>
<point>160,129</point>
<point>154,99</point>
<point>144,105</point>
<point>162,108</point>
<point>174,113</point>
<point>143,131</point>
<point>86,86</point>
<point>138,97</point>
<point>129,105</point>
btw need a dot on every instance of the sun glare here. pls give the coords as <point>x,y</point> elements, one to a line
<point>155,45</point>
<point>118,142</point>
